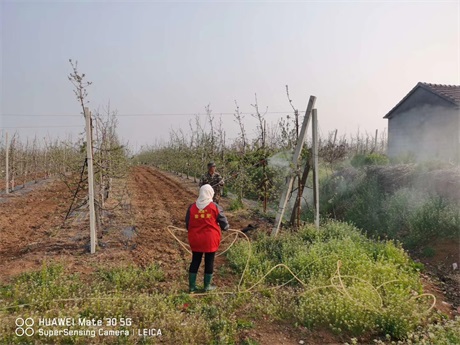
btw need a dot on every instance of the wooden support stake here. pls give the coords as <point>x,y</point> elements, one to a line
<point>315,165</point>
<point>287,190</point>
<point>89,157</point>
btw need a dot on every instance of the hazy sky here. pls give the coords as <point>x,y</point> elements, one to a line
<point>359,58</point>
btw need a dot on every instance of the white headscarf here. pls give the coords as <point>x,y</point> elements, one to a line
<point>205,197</point>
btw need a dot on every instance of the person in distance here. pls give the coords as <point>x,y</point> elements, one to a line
<point>213,178</point>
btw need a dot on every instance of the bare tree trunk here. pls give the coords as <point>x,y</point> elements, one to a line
<point>295,216</point>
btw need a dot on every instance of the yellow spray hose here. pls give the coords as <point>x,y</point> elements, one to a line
<point>340,286</point>
<point>336,279</point>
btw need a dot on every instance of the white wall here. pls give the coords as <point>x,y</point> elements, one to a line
<point>426,132</point>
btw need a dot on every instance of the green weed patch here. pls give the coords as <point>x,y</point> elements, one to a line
<point>348,283</point>
<point>333,278</point>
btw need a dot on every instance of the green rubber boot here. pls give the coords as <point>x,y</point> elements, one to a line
<point>207,283</point>
<point>192,283</point>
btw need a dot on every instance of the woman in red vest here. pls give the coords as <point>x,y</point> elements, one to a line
<point>204,221</point>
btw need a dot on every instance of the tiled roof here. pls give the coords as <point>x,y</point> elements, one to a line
<point>450,93</point>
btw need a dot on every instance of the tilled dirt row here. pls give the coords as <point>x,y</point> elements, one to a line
<point>33,231</point>
<point>28,224</point>
<point>159,202</point>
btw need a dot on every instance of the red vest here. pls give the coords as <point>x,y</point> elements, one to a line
<point>203,230</point>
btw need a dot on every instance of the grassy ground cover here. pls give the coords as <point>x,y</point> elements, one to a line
<point>334,278</point>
